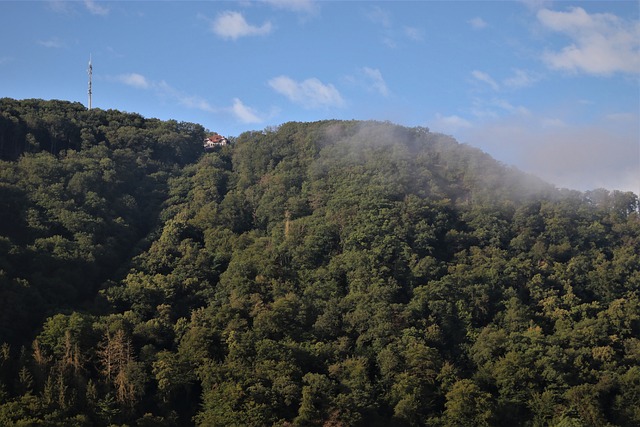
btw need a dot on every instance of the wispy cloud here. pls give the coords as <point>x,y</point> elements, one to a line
<point>509,108</point>
<point>449,124</point>
<point>382,19</point>
<point>415,34</point>
<point>164,90</point>
<point>134,80</point>
<point>52,43</point>
<point>389,42</point>
<point>310,93</point>
<point>600,43</point>
<point>168,93</point>
<point>485,78</point>
<point>521,78</point>
<point>391,33</point>
<point>379,16</point>
<point>59,6</point>
<point>96,9</point>
<point>233,25</point>
<point>244,113</point>
<point>535,5</point>
<point>300,6</point>
<point>68,7</point>
<point>113,52</point>
<point>496,108</point>
<point>376,81</point>
<point>477,23</point>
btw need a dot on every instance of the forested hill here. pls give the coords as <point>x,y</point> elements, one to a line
<point>337,273</point>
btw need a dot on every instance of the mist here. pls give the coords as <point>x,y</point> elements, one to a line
<point>604,154</point>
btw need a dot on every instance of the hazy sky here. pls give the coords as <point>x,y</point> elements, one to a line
<point>550,87</point>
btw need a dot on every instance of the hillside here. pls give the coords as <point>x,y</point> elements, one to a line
<point>337,273</point>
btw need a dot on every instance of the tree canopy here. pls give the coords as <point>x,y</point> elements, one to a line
<point>336,273</point>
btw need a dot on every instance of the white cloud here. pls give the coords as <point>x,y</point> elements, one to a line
<point>197,103</point>
<point>53,43</point>
<point>71,7</point>
<point>232,25</point>
<point>379,16</point>
<point>133,79</point>
<point>59,6</point>
<point>243,113</point>
<point>114,53</point>
<point>485,78</point>
<point>305,6</point>
<point>413,33</point>
<point>521,78</point>
<point>390,33</point>
<point>193,101</point>
<point>535,5</point>
<point>601,43</point>
<point>310,93</point>
<point>95,9</point>
<point>377,82</point>
<point>508,107</point>
<point>449,124</point>
<point>168,93</point>
<point>389,42</point>
<point>165,91</point>
<point>477,23</point>
<point>495,108</point>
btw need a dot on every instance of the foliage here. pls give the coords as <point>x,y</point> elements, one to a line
<point>331,273</point>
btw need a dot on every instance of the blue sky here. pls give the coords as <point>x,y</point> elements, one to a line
<point>551,87</point>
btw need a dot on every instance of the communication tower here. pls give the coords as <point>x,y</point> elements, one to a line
<point>90,72</point>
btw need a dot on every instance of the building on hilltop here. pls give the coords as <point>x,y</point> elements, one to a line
<point>215,140</point>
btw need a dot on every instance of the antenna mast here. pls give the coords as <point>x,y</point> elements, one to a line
<point>90,72</point>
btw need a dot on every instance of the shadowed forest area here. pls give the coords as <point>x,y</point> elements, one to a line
<point>335,273</point>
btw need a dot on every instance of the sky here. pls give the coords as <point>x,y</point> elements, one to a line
<point>550,87</point>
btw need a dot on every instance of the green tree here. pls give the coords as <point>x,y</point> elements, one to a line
<point>467,405</point>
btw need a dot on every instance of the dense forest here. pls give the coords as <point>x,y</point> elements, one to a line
<point>336,273</point>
